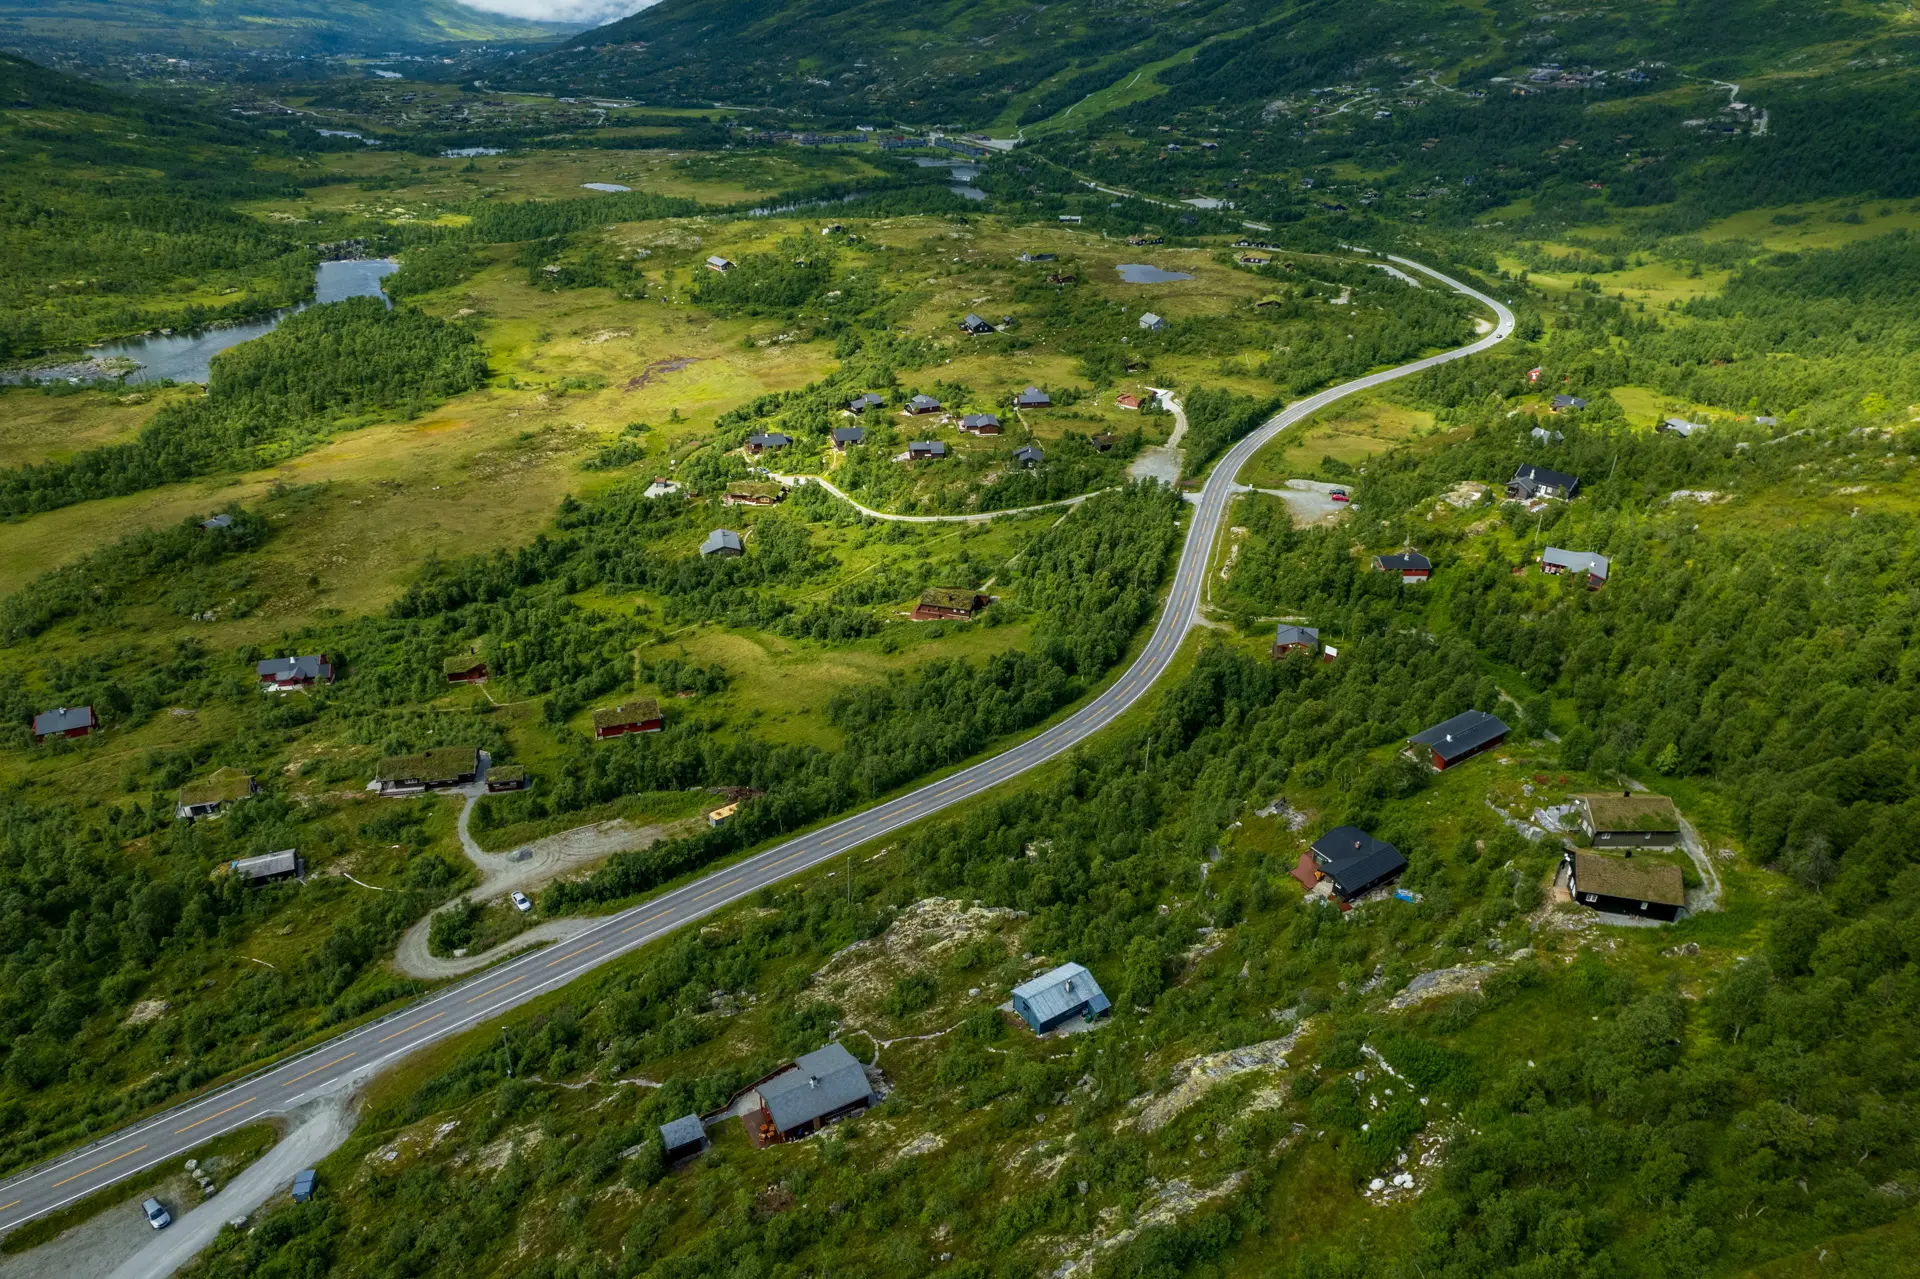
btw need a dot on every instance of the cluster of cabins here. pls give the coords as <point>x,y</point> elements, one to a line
<point>851,436</point>
<point>829,1084</point>
<point>1604,876</point>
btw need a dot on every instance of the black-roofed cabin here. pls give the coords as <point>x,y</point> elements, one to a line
<point>1458,739</point>
<point>845,437</point>
<point>1410,566</point>
<point>683,1138</point>
<point>1355,862</point>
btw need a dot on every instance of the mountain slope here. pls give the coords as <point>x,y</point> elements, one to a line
<point>293,25</point>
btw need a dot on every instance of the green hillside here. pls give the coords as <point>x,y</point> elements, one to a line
<point>293,25</point>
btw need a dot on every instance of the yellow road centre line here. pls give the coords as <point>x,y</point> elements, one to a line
<point>502,986</point>
<point>416,1025</point>
<point>570,954</point>
<point>96,1168</point>
<point>210,1118</point>
<point>648,920</point>
<point>711,891</point>
<point>317,1069</point>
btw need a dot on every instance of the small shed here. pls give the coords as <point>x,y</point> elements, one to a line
<point>684,1137</point>
<point>844,437</point>
<point>1643,889</point>
<point>1355,861</point>
<point>282,673</point>
<point>1029,455</point>
<point>974,324</point>
<point>1058,994</point>
<point>1458,739</point>
<point>465,669</point>
<point>1126,401</point>
<point>1295,639</point>
<point>639,716</point>
<point>661,487</point>
<point>64,721</point>
<point>508,777</point>
<point>305,1182</point>
<point>720,264</point>
<point>1555,560</point>
<point>1412,566</point>
<point>948,603</point>
<point>981,423</point>
<point>818,1088</point>
<point>434,769</point>
<point>285,864</point>
<point>1628,820</point>
<point>722,813</point>
<point>926,449</point>
<point>206,797</point>
<point>1033,398</point>
<point>723,541</point>
<point>1152,323</point>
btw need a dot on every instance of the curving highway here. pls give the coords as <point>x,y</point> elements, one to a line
<point>345,1062</point>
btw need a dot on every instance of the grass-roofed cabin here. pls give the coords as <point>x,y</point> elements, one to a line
<point>465,669</point>
<point>1630,821</point>
<point>753,493</point>
<point>1644,888</point>
<point>208,796</point>
<point>508,777</point>
<point>948,603</point>
<point>640,716</point>
<point>429,770</point>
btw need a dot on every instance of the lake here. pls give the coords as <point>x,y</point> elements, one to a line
<point>962,174</point>
<point>1141,273</point>
<point>184,357</point>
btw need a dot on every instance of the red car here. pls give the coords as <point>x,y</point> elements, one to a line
<point>1338,495</point>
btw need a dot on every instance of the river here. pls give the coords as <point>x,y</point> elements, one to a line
<point>184,357</point>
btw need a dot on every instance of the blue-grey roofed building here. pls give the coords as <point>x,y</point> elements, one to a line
<point>1288,639</point>
<point>974,324</point>
<point>1462,737</point>
<point>1033,398</point>
<point>216,521</point>
<point>63,721</point>
<point>304,1182</point>
<point>1532,481</point>
<point>723,541</point>
<point>824,1085</point>
<point>683,1137</point>
<point>846,435</point>
<point>294,672</point>
<point>1029,456</point>
<point>926,448</point>
<point>923,404</point>
<point>864,401</point>
<point>1053,997</point>
<point>768,441</point>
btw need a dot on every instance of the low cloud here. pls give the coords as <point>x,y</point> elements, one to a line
<point>597,12</point>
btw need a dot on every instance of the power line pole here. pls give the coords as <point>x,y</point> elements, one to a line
<point>509,1051</point>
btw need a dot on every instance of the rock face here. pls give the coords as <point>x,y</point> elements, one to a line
<point>1197,1076</point>
<point>1440,983</point>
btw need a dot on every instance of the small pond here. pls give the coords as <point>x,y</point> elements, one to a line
<point>605,186</point>
<point>1141,273</point>
<point>467,153</point>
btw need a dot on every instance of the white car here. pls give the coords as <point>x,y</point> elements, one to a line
<point>522,903</point>
<point>157,1215</point>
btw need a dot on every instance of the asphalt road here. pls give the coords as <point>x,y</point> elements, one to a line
<point>345,1062</point>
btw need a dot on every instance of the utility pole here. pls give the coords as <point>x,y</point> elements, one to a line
<point>509,1050</point>
<point>849,879</point>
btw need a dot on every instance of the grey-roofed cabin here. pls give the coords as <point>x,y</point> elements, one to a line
<point>847,436</point>
<point>1537,481</point>
<point>1595,566</point>
<point>1054,996</point>
<point>1033,398</point>
<point>723,541</point>
<point>1460,738</point>
<point>974,324</point>
<point>926,448</point>
<point>63,721</point>
<point>1295,639</point>
<point>981,423</point>
<point>294,672</point>
<point>824,1085</point>
<point>867,400</point>
<point>923,404</point>
<point>1152,323</point>
<point>213,522</point>
<point>1355,861</point>
<point>1029,456</point>
<point>284,864</point>
<point>683,1137</point>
